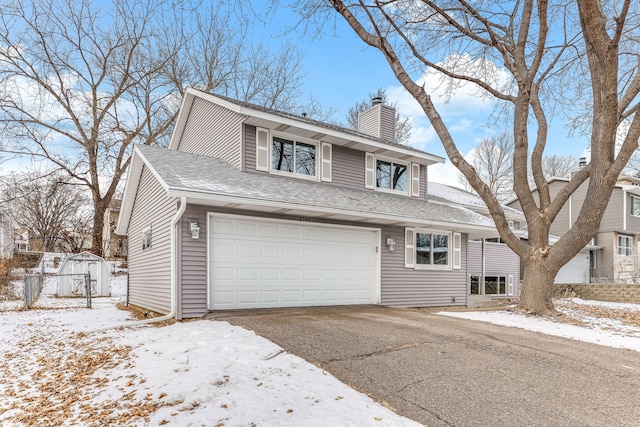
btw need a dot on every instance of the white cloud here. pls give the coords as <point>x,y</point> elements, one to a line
<point>463,106</point>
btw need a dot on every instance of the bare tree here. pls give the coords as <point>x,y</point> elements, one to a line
<point>47,205</point>
<point>81,81</point>
<point>519,54</point>
<point>403,125</point>
<point>492,162</point>
<point>558,166</point>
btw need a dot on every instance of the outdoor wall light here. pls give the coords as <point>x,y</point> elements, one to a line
<point>195,230</point>
<point>391,244</point>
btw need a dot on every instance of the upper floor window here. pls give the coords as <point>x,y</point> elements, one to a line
<point>146,237</point>
<point>635,205</point>
<point>285,154</point>
<point>625,245</point>
<point>391,176</point>
<point>293,156</point>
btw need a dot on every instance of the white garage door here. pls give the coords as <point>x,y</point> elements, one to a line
<point>575,271</point>
<point>257,263</point>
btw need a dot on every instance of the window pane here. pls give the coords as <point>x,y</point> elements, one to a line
<point>491,285</point>
<point>475,288</point>
<point>282,155</point>
<point>305,159</point>
<point>383,174</point>
<point>440,249</point>
<point>502,285</point>
<point>423,248</point>
<point>635,206</point>
<point>399,177</point>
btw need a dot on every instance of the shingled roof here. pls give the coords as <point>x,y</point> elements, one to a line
<point>205,178</point>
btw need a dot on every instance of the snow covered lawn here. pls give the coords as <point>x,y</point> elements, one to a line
<point>207,373</point>
<point>200,373</point>
<point>604,323</point>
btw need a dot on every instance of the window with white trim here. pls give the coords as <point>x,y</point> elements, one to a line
<point>146,237</point>
<point>391,175</point>
<point>635,205</point>
<point>625,245</point>
<point>426,249</point>
<point>288,155</point>
<point>432,248</point>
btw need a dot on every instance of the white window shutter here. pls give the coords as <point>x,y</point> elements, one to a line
<point>457,251</point>
<point>370,171</point>
<point>326,161</point>
<point>510,284</point>
<point>262,149</point>
<point>409,248</point>
<point>415,179</point>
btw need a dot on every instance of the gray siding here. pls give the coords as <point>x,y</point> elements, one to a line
<point>249,148</point>
<point>150,268</point>
<point>407,287</point>
<point>500,260</point>
<point>193,264</point>
<point>399,286</point>
<point>212,130</point>
<point>605,256</point>
<point>347,167</point>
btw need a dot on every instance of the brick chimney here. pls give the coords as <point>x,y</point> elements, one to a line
<point>378,121</point>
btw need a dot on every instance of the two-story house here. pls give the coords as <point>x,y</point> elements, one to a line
<point>251,207</point>
<point>613,255</point>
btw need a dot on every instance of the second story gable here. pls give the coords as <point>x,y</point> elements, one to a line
<point>254,139</point>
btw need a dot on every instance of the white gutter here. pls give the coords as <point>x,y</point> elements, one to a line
<point>174,277</point>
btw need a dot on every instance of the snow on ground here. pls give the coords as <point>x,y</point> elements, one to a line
<point>604,323</point>
<point>207,373</point>
<point>199,373</point>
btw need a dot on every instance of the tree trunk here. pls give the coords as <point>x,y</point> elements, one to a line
<point>536,290</point>
<point>96,230</point>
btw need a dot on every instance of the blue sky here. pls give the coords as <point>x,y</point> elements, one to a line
<point>341,70</point>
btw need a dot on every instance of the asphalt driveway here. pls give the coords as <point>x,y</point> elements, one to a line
<point>444,371</point>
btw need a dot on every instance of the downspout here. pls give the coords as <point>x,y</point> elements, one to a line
<point>174,276</point>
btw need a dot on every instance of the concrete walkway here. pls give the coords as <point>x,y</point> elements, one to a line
<point>443,371</point>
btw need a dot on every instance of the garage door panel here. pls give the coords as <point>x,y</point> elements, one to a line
<point>264,263</point>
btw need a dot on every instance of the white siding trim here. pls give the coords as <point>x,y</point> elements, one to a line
<point>456,262</point>
<point>370,171</point>
<point>415,179</point>
<point>326,153</point>
<point>262,149</point>
<point>409,247</point>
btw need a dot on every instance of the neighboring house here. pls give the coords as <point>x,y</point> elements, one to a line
<point>251,208</point>
<point>6,234</point>
<point>114,245</point>
<point>613,254</point>
<point>493,268</point>
<point>22,242</point>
